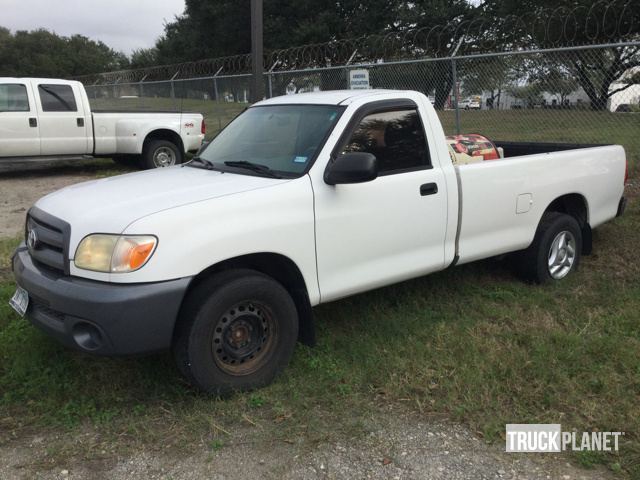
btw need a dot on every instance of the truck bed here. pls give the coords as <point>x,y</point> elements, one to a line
<point>491,192</point>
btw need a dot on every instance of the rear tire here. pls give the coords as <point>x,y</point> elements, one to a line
<point>236,332</point>
<point>555,251</point>
<point>161,153</point>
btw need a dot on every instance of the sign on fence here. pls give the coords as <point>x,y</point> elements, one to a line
<point>359,79</point>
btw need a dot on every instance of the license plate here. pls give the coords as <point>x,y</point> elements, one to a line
<point>20,301</point>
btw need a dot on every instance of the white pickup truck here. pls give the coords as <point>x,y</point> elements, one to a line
<point>47,119</point>
<point>301,200</point>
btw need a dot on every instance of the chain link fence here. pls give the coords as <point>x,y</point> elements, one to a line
<point>570,94</point>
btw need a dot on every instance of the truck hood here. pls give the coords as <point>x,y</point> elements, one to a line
<point>108,205</point>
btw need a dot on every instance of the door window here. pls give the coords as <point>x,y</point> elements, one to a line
<point>57,98</point>
<point>395,137</point>
<point>13,98</point>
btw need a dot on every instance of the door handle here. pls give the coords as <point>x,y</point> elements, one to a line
<point>33,122</point>
<point>428,189</point>
<point>80,122</point>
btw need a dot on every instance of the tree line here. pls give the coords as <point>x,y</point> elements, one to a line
<point>40,53</point>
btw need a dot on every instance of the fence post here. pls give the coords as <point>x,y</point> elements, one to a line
<point>454,74</point>
<point>215,84</point>
<point>270,79</point>
<point>173,90</point>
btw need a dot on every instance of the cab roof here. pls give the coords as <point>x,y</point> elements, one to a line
<point>330,97</point>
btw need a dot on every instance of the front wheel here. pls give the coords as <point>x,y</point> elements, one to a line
<point>555,251</point>
<point>236,332</point>
<point>160,154</point>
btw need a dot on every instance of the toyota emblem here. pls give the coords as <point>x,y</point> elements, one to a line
<point>32,239</point>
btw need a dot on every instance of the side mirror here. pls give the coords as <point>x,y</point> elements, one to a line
<point>353,167</point>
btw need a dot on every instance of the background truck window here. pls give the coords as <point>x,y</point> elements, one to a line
<point>13,98</point>
<point>57,98</point>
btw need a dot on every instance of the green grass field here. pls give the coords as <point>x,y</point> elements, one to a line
<point>473,343</point>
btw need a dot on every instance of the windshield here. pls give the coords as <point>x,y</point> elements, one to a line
<point>283,138</point>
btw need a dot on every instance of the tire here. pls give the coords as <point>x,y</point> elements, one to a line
<point>548,258</point>
<point>236,332</point>
<point>161,153</point>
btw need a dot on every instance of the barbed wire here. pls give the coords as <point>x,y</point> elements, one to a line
<point>601,22</point>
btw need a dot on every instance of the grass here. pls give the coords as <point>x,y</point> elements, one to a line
<point>473,343</point>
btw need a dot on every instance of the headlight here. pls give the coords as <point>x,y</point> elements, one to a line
<point>114,253</point>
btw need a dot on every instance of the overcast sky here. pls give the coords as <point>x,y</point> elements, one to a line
<point>124,25</point>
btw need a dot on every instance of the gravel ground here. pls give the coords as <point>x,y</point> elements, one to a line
<point>397,447</point>
<point>19,190</point>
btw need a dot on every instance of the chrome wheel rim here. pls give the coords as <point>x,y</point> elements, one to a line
<point>562,255</point>
<point>243,338</point>
<point>164,157</point>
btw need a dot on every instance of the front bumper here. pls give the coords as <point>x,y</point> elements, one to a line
<point>97,317</point>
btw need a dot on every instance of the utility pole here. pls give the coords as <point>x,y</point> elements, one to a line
<point>257,62</point>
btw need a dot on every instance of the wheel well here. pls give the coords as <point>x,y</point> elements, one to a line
<point>575,205</point>
<point>164,134</point>
<point>283,270</point>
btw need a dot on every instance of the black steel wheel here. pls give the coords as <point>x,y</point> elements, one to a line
<point>236,332</point>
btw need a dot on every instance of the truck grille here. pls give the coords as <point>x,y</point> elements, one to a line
<point>47,238</point>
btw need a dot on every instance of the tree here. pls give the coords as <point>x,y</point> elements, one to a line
<point>219,28</point>
<point>40,53</point>
<point>575,22</point>
<point>530,95</point>
<point>491,75</point>
<point>144,57</point>
<point>556,79</point>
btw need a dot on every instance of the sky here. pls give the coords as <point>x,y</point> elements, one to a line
<point>123,25</point>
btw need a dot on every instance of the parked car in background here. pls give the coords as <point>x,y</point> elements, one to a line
<point>301,200</point>
<point>48,119</point>
<point>470,103</point>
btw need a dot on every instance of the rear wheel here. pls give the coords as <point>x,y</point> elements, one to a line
<point>236,332</point>
<point>555,251</point>
<point>160,154</point>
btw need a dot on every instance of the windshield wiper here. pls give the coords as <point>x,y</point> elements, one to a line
<point>199,162</point>
<point>254,167</point>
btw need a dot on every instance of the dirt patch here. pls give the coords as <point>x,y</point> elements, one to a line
<point>395,446</point>
<point>20,189</point>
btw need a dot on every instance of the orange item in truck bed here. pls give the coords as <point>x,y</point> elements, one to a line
<point>471,148</point>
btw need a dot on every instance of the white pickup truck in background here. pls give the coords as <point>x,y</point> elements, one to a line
<point>301,200</point>
<point>47,119</point>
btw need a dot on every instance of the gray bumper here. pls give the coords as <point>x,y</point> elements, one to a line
<point>97,317</point>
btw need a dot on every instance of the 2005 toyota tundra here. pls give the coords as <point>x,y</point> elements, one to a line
<point>301,200</point>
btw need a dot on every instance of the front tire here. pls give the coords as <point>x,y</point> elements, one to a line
<point>160,154</point>
<point>555,251</point>
<point>236,332</point>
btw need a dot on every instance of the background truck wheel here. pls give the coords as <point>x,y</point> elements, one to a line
<point>236,332</point>
<point>555,250</point>
<point>161,153</point>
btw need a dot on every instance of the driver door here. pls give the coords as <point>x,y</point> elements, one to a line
<point>392,228</point>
